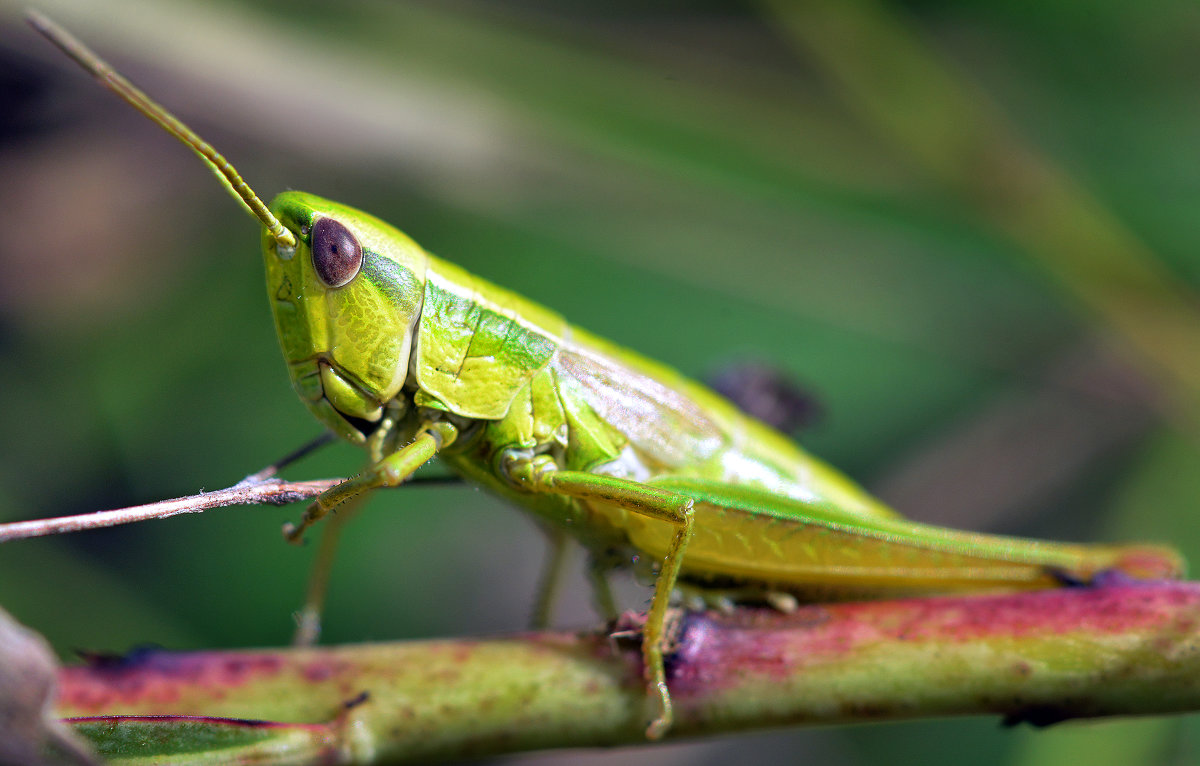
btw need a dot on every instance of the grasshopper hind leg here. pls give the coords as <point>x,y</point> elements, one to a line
<point>650,502</point>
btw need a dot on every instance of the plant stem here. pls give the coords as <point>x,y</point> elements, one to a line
<point>1042,657</point>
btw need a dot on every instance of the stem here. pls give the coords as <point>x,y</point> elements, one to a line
<point>1042,657</point>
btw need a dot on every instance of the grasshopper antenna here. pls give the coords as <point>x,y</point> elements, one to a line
<point>111,79</point>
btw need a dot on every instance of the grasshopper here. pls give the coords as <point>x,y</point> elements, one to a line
<point>411,357</point>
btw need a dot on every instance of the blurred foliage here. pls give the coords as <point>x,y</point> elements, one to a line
<point>688,179</point>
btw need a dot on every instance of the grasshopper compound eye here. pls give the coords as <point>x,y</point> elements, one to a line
<point>336,254</point>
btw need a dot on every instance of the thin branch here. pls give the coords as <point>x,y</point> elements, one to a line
<point>259,488</point>
<point>248,491</point>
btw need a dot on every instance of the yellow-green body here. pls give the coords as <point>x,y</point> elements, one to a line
<point>414,337</point>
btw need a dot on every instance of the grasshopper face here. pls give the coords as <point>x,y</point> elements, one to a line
<point>345,300</point>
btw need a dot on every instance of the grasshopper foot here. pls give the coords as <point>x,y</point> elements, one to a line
<point>308,627</point>
<point>294,533</point>
<point>660,699</point>
<point>291,532</point>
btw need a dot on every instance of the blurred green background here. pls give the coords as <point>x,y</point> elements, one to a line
<point>970,233</point>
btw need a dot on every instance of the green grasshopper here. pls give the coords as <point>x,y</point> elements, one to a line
<point>412,357</point>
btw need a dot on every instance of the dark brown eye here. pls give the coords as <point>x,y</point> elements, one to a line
<point>336,254</point>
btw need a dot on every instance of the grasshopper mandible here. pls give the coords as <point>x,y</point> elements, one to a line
<point>412,357</point>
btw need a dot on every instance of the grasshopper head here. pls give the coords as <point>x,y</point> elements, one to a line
<point>346,299</point>
<point>346,289</point>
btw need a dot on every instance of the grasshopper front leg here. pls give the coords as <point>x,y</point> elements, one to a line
<point>392,471</point>
<point>665,505</point>
<point>308,618</point>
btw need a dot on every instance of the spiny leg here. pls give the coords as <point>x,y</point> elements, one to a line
<point>392,471</point>
<point>655,503</point>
